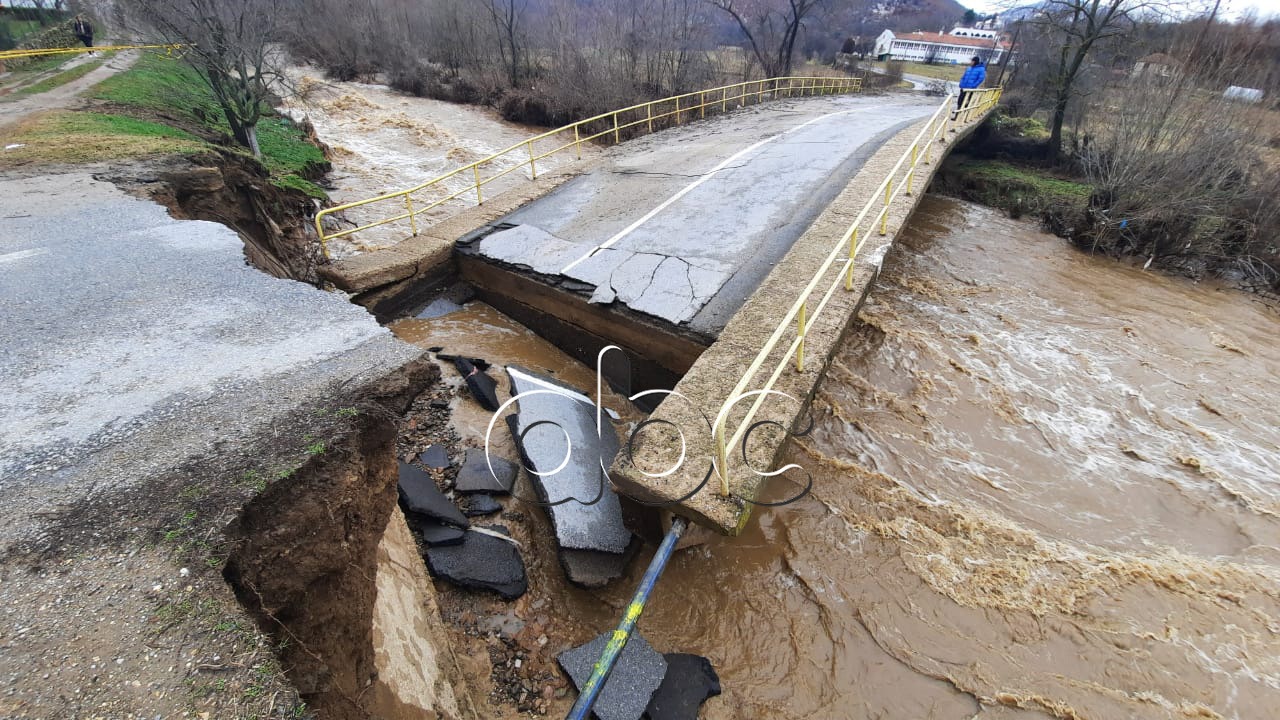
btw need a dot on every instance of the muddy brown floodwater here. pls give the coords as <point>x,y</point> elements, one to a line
<point>1045,485</point>
<point>382,140</point>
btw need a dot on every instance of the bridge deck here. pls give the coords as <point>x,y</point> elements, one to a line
<point>682,227</point>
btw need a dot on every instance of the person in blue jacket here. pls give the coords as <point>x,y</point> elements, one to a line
<point>972,80</point>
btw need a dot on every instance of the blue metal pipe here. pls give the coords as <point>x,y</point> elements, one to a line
<point>600,673</point>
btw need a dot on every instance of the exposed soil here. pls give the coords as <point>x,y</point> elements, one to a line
<point>274,222</point>
<point>294,530</point>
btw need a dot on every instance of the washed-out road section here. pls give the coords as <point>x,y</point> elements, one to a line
<point>684,225</point>
<point>124,328</point>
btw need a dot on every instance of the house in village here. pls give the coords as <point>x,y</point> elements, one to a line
<point>1156,66</point>
<point>956,47</point>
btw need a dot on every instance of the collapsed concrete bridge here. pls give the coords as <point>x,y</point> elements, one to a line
<point>728,256</point>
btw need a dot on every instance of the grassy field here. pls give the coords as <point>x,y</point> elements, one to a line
<point>941,72</point>
<point>79,137</point>
<point>158,106</point>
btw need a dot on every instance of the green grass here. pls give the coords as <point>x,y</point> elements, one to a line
<point>160,85</point>
<point>27,69</point>
<point>999,172</point>
<point>163,85</point>
<point>1017,188</point>
<point>19,29</point>
<point>1022,127</point>
<point>79,137</point>
<point>62,78</point>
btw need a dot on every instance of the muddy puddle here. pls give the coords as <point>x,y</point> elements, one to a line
<point>382,140</point>
<point>1045,486</point>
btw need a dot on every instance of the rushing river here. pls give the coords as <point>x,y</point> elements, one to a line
<point>1046,485</point>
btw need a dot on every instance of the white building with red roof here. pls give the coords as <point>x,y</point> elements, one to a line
<point>956,47</point>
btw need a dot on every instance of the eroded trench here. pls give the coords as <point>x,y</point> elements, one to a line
<point>332,562</point>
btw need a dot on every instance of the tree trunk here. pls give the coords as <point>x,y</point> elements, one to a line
<point>251,139</point>
<point>1055,133</point>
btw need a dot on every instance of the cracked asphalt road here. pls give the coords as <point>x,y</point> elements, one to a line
<point>684,225</point>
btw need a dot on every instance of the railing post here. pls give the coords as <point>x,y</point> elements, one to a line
<point>475,169</point>
<point>801,331</point>
<point>853,250</point>
<point>533,169</point>
<point>617,137</point>
<point>724,98</point>
<point>648,112</point>
<point>911,174</point>
<point>677,109</point>
<point>702,105</point>
<point>577,141</point>
<point>722,459</point>
<point>413,221</point>
<point>884,216</point>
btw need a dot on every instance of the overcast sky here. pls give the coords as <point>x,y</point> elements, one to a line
<point>1231,8</point>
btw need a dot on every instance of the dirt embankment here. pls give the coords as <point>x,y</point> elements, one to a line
<point>305,563</point>
<point>274,222</point>
<point>128,599</point>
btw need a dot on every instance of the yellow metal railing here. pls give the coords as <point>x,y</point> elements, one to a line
<point>610,126</point>
<point>41,52</point>
<point>900,179</point>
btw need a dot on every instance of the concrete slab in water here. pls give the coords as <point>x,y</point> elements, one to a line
<point>638,673</point>
<point>585,511</point>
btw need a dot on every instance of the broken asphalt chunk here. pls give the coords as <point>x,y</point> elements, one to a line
<point>436,533</point>
<point>474,475</point>
<point>419,494</point>
<point>483,388</point>
<point>435,457</point>
<point>481,561</point>
<point>480,504</point>
<point>689,681</point>
<point>637,674</point>
<point>582,504</point>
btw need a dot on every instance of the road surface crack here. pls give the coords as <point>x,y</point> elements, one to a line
<point>676,175</point>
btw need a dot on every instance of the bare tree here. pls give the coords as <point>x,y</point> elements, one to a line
<point>229,43</point>
<point>1074,28</point>
<point>771,28</point>
<point>1174,171</point>
<point>508,19</point>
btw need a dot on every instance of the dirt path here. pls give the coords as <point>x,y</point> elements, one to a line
<point>68,95</point>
